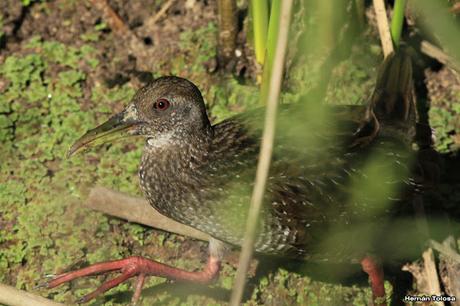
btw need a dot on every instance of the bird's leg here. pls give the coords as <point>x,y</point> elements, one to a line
<point>142,267</point>
<point>375,271</point>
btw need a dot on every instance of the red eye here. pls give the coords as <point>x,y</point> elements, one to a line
<point>161,104</point>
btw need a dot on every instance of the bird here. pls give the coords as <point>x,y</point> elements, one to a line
<point>201,174</point>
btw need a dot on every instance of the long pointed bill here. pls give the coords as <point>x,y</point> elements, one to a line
<point>119,126</point>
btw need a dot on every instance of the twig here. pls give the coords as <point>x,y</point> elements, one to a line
<point>113,19</point>
<point>445,250</point>
<point>425,275</point>
<point>14,297</point>
<point>431,274</point>
<point>137,210</point>
<point>160,13</point>
<point>265,153</point>
<point>436,53</point>
<point>135,45</point>
<point>384,28</point>
<point>150,22</point>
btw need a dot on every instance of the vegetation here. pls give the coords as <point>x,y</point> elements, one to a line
<point>54,87</point>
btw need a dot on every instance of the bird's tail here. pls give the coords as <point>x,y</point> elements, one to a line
<point>393,106</point>
<point>393,99</point>
<point>391,110</point>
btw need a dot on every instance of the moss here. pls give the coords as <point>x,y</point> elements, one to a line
<point>446,124</point>
<point>44,229</point>
<point>199,45</point>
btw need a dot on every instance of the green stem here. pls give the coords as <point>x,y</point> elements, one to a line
<point>397,21</point>
<point>273,29</point>
<point>360,12</point>
<point>259,10</point>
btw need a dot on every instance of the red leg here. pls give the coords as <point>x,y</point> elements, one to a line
<point>375,271</point>
<point>137,266</point>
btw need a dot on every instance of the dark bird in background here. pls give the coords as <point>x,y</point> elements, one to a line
<point>202,174</point>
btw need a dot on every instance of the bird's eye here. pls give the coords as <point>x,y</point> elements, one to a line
<point>161,104</point>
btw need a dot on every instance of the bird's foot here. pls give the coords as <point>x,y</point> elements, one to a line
<point>135,266</point>
<point>375,271</point>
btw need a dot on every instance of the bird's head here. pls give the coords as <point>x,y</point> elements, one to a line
<point>168,108</point>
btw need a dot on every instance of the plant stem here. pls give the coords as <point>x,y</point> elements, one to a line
<point>360,12</point>
<point>259,10</point>
<point>273,29</point>
<point>397,21</point>
<point>266,148</point>
<point>382,23</point>
<point>227,31</point>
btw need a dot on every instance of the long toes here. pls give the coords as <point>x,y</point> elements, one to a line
<point>56,281</point>
<point>106,286</point>
<point>138,289</point>
<point>103,267</point>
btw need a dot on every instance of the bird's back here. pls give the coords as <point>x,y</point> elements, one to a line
<point>339,174</point>
<point>311,185</point>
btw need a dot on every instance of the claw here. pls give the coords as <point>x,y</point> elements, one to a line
<point>81,300</point>
<point>45,284</point>
<point>41,285</point>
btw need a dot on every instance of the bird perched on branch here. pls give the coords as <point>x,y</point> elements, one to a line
<point>201,174</point>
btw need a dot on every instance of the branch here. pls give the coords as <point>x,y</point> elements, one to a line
<point>384,28</point>
<point>265,153</point>
<point>431,274</point>
<point>113,19</point>
<point>14,297</point>
<point>425,275</point>
<point>445,250</point>
<point>436,53</point>
<point>137,210</point>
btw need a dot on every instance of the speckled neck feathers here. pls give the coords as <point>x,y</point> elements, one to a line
<point>169,165</point>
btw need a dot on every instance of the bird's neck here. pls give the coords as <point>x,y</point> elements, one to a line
<point>170,166</point>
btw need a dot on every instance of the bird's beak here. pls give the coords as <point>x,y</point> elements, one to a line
<point>123,124</point>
